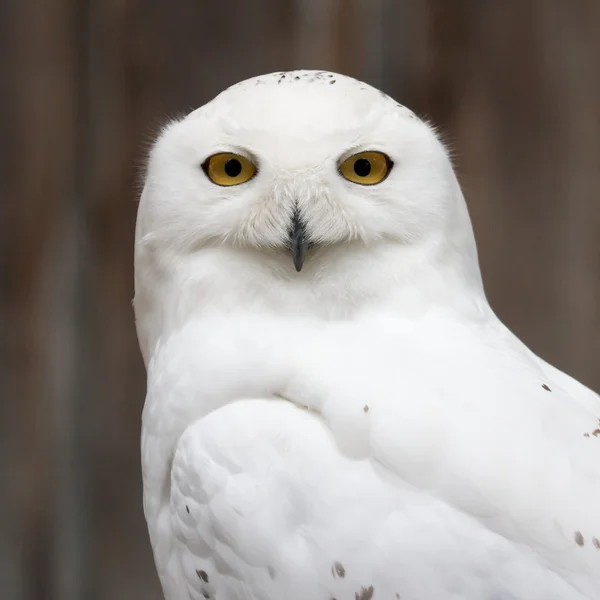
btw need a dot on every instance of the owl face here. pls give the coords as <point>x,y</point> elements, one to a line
<point>289,162</point>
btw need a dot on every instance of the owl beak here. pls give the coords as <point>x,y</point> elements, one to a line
<point>298,241</point>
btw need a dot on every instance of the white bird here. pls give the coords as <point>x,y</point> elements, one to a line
<point>333,410</point>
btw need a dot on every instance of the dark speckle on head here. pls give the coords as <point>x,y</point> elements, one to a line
<point>365,593</point>
<point>546,387</point>
<point>578,537</point>
<point>314,78</point>
<point>338,570</point>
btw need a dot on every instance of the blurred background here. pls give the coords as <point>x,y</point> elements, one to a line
<point>513,85</point>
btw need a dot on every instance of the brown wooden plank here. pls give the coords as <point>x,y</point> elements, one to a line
<point>39,147</point>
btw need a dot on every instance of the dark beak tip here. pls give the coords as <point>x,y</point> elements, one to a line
<point>298,242</point>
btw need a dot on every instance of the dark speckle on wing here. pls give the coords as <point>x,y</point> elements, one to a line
<point>202,575</point>
<point>338,570</point>
<point>578,537</point>
<point>365,593</point>
<point>595,433</point>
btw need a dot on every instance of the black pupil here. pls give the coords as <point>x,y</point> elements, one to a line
<point>233,167</point>
<point>362,167</point>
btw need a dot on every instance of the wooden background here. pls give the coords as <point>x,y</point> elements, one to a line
<point>514,86</point>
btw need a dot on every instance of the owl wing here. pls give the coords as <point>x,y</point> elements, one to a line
<point>264,506</point>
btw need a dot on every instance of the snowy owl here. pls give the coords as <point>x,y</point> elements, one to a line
<point>333,410</point>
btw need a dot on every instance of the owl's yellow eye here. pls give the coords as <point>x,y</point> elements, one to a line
<point>366,168</point>
<point>227,168</point>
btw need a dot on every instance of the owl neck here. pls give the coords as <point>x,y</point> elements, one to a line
<point>336,283</point>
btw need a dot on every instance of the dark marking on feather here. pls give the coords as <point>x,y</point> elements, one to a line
<point>596,543</point>
<point>338,570</point>
<point>365,593</point>
<point>366,408</point>
<point>546,387</point>
<point>578,537</point>
<point>187,508</point>
<point>594,433</point>
<point>202,575</point>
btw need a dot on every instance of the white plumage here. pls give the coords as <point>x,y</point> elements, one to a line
<point>365,428</point>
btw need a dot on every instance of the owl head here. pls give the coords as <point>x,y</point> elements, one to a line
<point>305,174</point>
